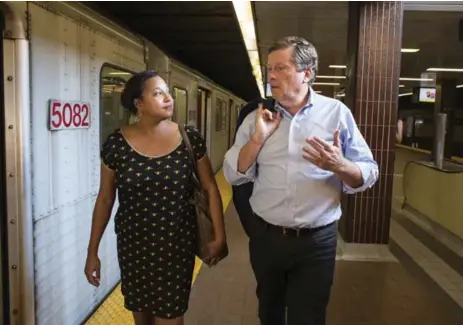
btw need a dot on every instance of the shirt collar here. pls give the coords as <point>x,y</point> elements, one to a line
<point>313,97</point>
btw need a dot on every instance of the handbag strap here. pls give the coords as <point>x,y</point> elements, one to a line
<point>191,153</point>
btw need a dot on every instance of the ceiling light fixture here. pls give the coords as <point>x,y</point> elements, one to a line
<point>245,18</point>
<point>334,66</point>
<point>409,50</point>
<point>120,73</point>
<point>445,69</point>
<point>405,94</point>
<point>416,79</point>
<point>326,83</point>
<point>331,77</point>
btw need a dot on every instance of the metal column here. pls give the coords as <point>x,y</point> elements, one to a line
<point>439,139</point>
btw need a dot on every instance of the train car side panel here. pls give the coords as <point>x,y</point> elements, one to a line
<point>158,61</point>
<point>219,127</point>
<point>66,59</point>
<point>183,88</point>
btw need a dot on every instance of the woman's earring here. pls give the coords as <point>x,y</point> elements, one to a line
<point>137,118</point>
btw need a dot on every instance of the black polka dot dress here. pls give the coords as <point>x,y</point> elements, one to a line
<point>155,225</point>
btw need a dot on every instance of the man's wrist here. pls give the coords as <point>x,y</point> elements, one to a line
<point>343,167</point>
<point>349,173</point>
<point>257,139</point>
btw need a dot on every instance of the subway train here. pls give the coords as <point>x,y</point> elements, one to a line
<point>64,67</point>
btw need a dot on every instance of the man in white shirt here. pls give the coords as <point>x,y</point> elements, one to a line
<point>307,150</point>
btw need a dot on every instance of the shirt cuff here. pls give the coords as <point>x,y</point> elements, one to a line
<point>230,168</point>
<point>369,172</point>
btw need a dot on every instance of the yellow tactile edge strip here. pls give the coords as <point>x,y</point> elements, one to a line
<point>112,310</point>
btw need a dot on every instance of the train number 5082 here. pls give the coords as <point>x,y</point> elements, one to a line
<point>69,115</point>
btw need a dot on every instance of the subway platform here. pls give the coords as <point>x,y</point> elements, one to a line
<point>394,291</point>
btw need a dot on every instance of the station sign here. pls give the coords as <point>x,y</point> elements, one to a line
<point>64,115</point>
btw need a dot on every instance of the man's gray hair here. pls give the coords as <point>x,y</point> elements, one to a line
<point>304,53</point>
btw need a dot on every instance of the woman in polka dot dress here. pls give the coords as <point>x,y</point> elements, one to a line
<point>148,163</point>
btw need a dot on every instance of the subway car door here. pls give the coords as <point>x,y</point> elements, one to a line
<point>3,270</point>
<point>208,130</point>
<point>231,123</point>
<point>202,110</point>
<point>203,113</point>
<point>180,96</point>
<point>17,296</point>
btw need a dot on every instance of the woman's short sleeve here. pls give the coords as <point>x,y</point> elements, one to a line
<point>108,152</point>
<point>197,141</point>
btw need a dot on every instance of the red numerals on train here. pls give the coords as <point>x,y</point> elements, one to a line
<point>69,115</point>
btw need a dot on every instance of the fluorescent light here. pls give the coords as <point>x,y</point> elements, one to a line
<point>331,77</point>
<point>318,91</point>
<point>120,73</point>
<point>409,50</point>
<point>327,83</point>
<point>400,86</point>
<point>334,66</point>
<point>405,94</point>
<point>460,86</point>
<point>245,18</point>
<point>416,79</point>
<point>445,69</point>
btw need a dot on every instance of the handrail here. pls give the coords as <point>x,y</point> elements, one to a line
<point>430,165</point>
<point>434,193</point>
<point>424,151</point>
<point>447,163</point>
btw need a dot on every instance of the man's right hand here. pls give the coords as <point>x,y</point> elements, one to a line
<point>266,123</point>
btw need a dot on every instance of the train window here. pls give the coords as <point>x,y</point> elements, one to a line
<point>113,114</point>
<point>220,115</point>
<point>180,96</point>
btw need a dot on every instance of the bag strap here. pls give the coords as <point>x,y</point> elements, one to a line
<point>191,153</point>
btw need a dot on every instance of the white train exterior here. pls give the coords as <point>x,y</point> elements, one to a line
<point>64,53</point>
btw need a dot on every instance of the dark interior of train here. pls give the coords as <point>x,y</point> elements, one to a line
<point>3,221</point>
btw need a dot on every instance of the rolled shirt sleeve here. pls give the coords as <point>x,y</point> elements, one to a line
<point>357,151</point>
<point>230,165</point>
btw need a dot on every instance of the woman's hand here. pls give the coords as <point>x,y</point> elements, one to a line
<point>92,266</point>
<point>215,248</point>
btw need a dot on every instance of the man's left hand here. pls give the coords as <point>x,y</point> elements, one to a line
<point>323,155</point>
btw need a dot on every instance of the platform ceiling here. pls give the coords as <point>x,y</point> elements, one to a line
<point>203,35</point>
<point>324,24</point>
<point>206,36</point>
<point>434,29</point>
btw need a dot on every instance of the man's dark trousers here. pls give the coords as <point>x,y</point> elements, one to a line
<point>293,270</point>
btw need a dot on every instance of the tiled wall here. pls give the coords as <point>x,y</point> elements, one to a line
<point>372,94</point>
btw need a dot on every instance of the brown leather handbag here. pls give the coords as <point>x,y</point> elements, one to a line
<point>200,200</point>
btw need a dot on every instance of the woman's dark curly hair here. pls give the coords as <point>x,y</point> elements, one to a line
<point>134,89</point>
